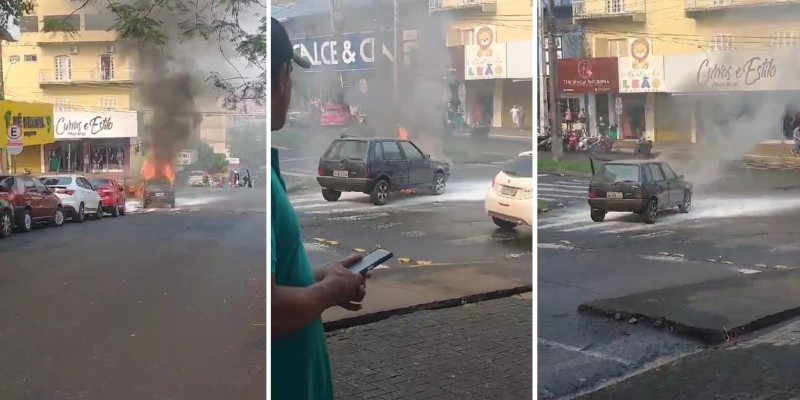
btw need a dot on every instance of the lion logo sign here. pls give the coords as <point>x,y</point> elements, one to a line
<point>640,50</point>
<point>485,38</point>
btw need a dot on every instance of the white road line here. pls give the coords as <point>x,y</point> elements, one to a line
<point>546,199</point>
<point>544,189</point>
<point>592,225</point>
<point>583,184</point>
<point>633,226</point>
<point>541,175</point>
<point>589,353</point>
<point>746,271</point>
<point>561,223</point>
<point>297,174</point>
<point>299,159</point>
<point>564,196</point>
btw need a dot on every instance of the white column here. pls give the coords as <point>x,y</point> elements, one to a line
<point>694,126</point>
<point>41,159</point>
<point>497,104</point>
<point>591,110</point>
<point>650,116</point>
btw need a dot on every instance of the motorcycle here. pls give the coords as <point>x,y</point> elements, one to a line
<point>643,148</point>
<point>600,144</point>
<point>573,140</point>
<point>545,143</point>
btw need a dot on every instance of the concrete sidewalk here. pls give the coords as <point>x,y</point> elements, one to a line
<point>474,351</point>
<point>764,368</point>
<point>397,291</point>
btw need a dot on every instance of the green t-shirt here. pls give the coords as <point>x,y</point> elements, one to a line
<point>300,366</point>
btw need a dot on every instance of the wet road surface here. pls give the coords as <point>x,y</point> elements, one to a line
<point>742,224</point>
<point>163,304</point>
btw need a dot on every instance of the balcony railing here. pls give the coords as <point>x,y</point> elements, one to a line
<point>595,9</point>
<point>85,76</point>
<point>712,5</point>
<point>442,5</point>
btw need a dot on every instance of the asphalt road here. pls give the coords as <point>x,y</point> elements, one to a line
<point>743,222</point>
<point>167,304</point>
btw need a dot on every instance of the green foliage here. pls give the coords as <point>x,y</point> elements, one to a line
<point>207,160</point>
<point>13,10</point>
<point>216,21</point>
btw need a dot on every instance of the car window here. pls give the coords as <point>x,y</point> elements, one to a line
<point>613,173</point>
<point>86,184</point>
<point>411,151</point>
<point>647,176</point>
<point>28,183</point>
<point>668,172</point>
<point>391,151</point>
<point>102,182</point>
<point>378,151</point>
<point>656,172</point>
<point>7,183</point>
<point>57,180</point>
<point>332,111</point>
<point>347,149</point>
<point>39,186</point>
<point>521,167</point>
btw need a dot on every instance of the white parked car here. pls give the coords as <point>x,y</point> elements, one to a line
<point>510,200</point>
<point>78,196</point>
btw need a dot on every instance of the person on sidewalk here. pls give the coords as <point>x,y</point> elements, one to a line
<point>796,138</point>
<point>514,116</point>
<point>299,364</point>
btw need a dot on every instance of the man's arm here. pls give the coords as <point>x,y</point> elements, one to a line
<point>294,308</point>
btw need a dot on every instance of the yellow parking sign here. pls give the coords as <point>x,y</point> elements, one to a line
<point>35,122</point>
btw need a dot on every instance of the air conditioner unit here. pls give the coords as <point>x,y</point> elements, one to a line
<point>73,49</point>
<point>109,48</point>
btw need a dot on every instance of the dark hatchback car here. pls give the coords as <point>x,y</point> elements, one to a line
<point>159,192</point>
<point>378,166</point>
<point>639,186</point>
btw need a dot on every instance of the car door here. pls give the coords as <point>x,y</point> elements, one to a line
<point>675,185</point>
<point>660,184</point>
<point>44,209</point>
<point>395,164</point>
<point>418,171</point>
<point>90,196</point>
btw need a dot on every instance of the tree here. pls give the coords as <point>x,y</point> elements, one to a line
<point>215,21</point>
<point>247,141</point>
<point>207,160</point>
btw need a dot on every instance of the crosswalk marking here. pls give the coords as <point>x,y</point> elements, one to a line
<point>561,185</point>
<point>547,189</point>
<point>594,225</point>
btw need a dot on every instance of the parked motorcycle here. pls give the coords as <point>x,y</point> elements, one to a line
<point>573,140</point>
<point>643,149</point>
<point>545,143</point>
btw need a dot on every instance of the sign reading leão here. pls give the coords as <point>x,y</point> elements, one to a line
<point>733,71</point>
<point>487,58</point>
<point>35,120</point>
<point>99,125</point>
<point>642,72</point>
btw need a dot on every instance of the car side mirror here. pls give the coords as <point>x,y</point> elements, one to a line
<point>121,189</point>
<point>427,156</point>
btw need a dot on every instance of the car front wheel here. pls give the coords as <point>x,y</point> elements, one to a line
<point>380,193</point>
<point>99,213</point>
<point>6,224</point>
<point>686,205</point>
<point>58,218</point>
<point>24,221</point>
<point>439,184</point>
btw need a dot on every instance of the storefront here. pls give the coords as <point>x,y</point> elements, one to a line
<point>641,78</point>
<point>35,121</point>
<point>93,142</point>
<point>746,96</point>
<point>485,69</point>
<point>519,83</point>
<point>589,85</point>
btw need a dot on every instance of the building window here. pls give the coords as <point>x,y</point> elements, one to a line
<point>93,22</point>
<point>110,104</point>
<point>13,59</point>
<point>618,48</point>
<point>722,43</point>
<point>785,39</point>
<point>61,104</point>
<point>559,53</point>
<point>467,36</point>
<point>717,3</point>
<point>615,6</point>
<point>70,22</point>
<point>63,68</point>
<point>29,24</point>
<point>105,67</point>
<point>31,58</point>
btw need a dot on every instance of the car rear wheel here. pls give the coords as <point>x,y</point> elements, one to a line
<point>439,184</point>
<point>25,221</point>
<point>99,213</point>
<point>380,193</point>
<point>598,215</point>
<point>80,216</point>
<point>503,224</point>
<point>6,223</point>
<point>58,218</point>
<point>331,195</point>
<point>651,212</point>
<point>687,202</point>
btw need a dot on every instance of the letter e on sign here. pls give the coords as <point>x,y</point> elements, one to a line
<point>14,133</point>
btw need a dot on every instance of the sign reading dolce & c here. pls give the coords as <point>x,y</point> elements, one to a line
<point>741,71</point>
<point>101,125</point>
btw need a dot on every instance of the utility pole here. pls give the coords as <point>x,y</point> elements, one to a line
<point>543,88</point>
<point>555,115</point>
<point>397,55</point>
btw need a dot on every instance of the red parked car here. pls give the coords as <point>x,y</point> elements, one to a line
<point>335,116</point>
<point>33,202</point>
<point>112,196</point>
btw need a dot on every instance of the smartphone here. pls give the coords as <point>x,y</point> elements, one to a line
<point>370,261</point>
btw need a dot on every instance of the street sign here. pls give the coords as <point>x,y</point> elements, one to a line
<point>14,142</point>
<point>462,93</point>
<point>618,105</point>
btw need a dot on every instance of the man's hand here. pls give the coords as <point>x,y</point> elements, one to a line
<point>345,288</point>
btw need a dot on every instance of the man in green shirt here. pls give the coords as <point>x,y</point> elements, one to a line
<point>300,367</point>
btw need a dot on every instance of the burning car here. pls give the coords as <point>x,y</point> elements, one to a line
<point>158,183</point>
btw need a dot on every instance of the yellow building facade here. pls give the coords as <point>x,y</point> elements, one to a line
<point>491,46</point>
<point>680,35</point>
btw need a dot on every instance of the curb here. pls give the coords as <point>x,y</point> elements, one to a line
<point>436,305</point>
<point>705,335</point>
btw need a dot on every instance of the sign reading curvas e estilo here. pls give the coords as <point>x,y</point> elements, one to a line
<point>87,125</point>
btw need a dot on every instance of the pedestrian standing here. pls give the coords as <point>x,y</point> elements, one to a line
<point>300,364</point>
<point>515,116</point>
<point>796,137</point>
<point>568,119</point>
